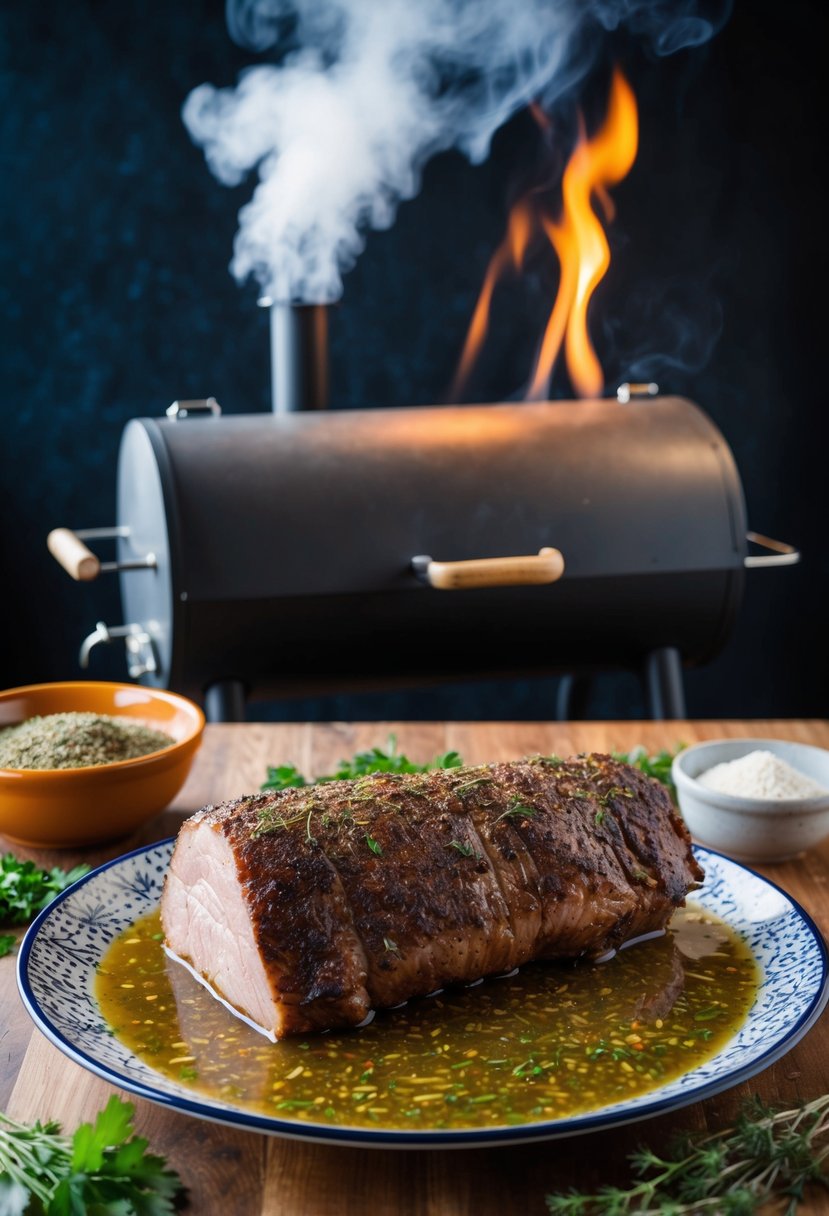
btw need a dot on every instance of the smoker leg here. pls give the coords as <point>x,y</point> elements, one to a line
<point>663,676</point>
<point>224,701</point>
<point>571,698</point>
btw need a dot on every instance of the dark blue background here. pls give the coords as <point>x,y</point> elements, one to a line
<point>116,300</point>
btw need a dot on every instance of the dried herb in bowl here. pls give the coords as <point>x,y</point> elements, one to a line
<point>77,740</point>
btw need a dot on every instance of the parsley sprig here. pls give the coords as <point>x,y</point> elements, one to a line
<point>103,1168</point>
<point>363,764</point>
<point>657,765</point>
<point>25,889</point>
<point>390,760</point>
<point>767,1156</point>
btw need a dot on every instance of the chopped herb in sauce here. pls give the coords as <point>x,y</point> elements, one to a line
<point>544,1043</point>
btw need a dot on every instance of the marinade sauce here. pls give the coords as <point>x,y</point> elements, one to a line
<point>546,1042</point>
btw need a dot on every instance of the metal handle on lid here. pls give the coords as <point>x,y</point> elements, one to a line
<point>780,553</point>
<point>69,551</point>
<point>546,566</point>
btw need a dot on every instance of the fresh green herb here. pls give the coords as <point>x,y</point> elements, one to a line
<point>463,848</point>
<point>104,1168</point>
<point>25,889</point>
<point>517,810</point>
<point>7,943</point>
<point>284,777</point>
<point>768,1156</point>
<point>466,786</point>
<point>364,764</point>
<point>658,765</point>
<point>615,791</point>
<point>268,819</point>
<point>373,845</point>
<point>376,760</point>
<point>599,818</point>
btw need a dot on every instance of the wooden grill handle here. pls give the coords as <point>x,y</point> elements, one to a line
<point>546,566</point>
<point>69,551</point>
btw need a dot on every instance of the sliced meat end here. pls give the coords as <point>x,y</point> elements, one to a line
<point>207,924</point>
<point>302,970</point>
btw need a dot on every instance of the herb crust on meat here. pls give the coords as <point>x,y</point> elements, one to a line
<point>307,908</point>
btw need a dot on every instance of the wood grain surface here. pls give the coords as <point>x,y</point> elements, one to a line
<point>246,1174</point>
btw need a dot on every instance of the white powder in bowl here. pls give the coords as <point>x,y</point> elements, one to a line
<point>760,774</point>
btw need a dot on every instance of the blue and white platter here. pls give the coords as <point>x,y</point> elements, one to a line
<point>57,961</point>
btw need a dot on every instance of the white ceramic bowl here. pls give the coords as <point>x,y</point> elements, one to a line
<point>752,829</point>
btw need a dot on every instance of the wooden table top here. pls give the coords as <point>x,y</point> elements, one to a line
<point>247,1174</point>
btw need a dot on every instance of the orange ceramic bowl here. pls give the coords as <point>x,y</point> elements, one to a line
<point>64,808</point>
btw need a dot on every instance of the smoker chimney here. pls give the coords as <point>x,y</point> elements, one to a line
<point>299,355</point>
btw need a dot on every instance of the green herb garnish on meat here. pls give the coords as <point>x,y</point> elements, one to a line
<point>463,848</point>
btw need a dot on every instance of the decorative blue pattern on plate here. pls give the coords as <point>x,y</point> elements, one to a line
<point>56,970</point>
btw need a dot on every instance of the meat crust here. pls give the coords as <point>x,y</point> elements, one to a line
<point>353,895</point>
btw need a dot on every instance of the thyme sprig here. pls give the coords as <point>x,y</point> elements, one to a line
<point>462,847</point>
<point>767,1156</point>
<point>516,810</point>
<point>466,786</point>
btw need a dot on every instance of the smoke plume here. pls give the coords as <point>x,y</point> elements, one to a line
<point>366,91</point>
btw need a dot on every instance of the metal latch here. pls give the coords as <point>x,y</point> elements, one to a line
<point>194,409</point>
<point>141,659</point>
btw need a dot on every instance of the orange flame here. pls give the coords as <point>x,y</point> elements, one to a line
<point>580,243</point>
<point>510,253</point>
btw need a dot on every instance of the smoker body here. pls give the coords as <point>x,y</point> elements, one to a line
<point>283,544</point>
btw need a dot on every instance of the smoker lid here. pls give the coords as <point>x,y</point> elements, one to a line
<point>252,506</point>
